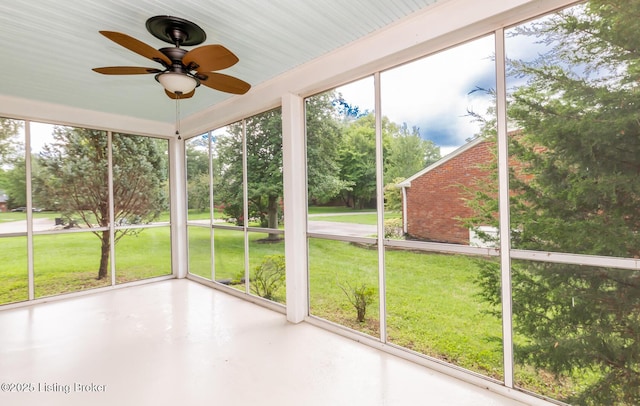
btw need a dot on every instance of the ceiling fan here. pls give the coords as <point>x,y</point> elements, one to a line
<point>182,71</point>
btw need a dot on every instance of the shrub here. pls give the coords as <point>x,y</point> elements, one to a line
<point>268,277</point>
<point>393,229</point>
<point>360,297</point>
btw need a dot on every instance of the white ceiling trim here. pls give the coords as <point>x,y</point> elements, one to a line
<point>51,113</point>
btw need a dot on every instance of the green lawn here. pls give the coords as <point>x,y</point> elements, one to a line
<point>229,254</point>
<point>16,216</point>
<point>431,298</point>
<point>364,218</point>
<point>69,262</point>
<point>432,302</point>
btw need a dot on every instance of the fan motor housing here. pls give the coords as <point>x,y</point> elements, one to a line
<point>175,54</point>
<point>176,30</point>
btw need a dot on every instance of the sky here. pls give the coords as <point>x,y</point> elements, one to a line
<point>435,93</point>
<point>41,135</point>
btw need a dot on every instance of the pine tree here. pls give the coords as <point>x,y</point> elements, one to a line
<point>575,188</point>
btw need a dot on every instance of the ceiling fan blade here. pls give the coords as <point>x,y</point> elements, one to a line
<point>225,83</point>
<point>174,96</point>
<point>209,58</point>
<point>136,46</point>
<point>125,70</point>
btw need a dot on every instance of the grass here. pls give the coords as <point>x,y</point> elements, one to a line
<point>364,218</point>
<point>432,302</point>
<point>432,307</point>
<point>69,262</point>
<point>17,216</point>
<point>431,299</point>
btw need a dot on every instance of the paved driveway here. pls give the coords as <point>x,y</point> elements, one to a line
<point>334,227</point>
<point>20,226</point>
<point>315,226</point>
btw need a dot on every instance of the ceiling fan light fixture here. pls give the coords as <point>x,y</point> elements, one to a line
<point>179,83</point>
<point>183,70</point>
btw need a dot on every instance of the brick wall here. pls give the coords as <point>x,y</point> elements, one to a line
<point>436,198</point>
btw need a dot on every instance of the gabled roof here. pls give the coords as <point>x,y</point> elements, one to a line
<point>441,161</point>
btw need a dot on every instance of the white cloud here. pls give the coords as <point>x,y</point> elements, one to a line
<point>433,93</point>
<point>436,92</point>
<point>41,134</point>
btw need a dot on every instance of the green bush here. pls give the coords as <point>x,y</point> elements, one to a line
<point>268,277</point>
<point>393,229</point>
<point>360,297</point>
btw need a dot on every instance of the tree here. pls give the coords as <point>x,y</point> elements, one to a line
<point>9,144</point>
<point>404,152</point>
<point>197,161</point>
<point>575,187</point>
<point>228,173</point>
<point>264,169</point>
<point>12,162</point>
<point>15,182</point>
<point>324,133</point>
<point>264,161</point>
<point>73,178</point>
<point>409,153</point>
<point>357,160</point>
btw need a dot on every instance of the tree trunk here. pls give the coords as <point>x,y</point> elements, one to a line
<point>104,254</point>
<point>272,216</point>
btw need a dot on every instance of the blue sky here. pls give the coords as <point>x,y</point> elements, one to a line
<point>434,93</point>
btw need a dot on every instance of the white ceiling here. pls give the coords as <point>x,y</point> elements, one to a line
<point>49,47</point>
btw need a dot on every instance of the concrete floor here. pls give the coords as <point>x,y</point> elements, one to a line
<point>181,343</point>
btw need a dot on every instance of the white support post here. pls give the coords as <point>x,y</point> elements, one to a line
<point>211,207</point>
<point>112,215</point>
<point>28,191</point>
<point>178,187</point>
<point>503,198</point>
<point>405,222</point>
<point>245,210</point>
<point>295,207</point>
<point>380,209</point>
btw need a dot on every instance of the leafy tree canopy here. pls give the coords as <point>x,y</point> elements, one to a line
<point>12,162</point>
<point>10,144</point>
<point>71,175</point>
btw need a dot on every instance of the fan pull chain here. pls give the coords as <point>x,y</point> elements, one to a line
<point>178,117</point>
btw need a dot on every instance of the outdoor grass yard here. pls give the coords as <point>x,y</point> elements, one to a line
<point>15,216</point>
<point>69,262</point>
<point>431,302</point>
<point>229,255</point>
<point>365,217</point>
<point>431,298</point>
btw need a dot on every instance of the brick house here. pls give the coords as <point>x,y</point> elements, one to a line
<point>433,199</point>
